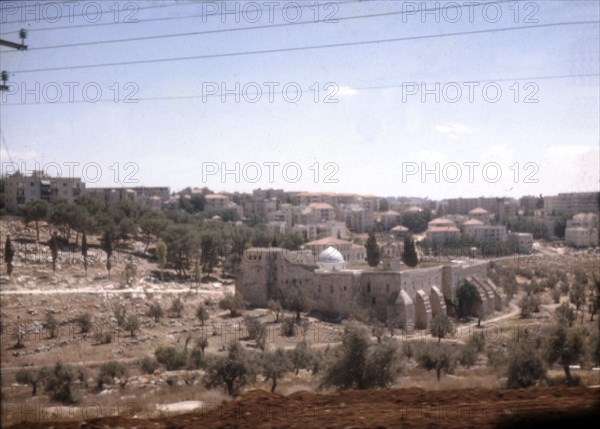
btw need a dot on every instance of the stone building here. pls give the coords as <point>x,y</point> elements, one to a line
<point>409,297</point>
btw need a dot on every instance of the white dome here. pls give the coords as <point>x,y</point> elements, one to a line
<point>331,256</point>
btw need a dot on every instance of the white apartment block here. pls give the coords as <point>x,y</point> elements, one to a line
<point>20,189</point>
<point>571,203</point>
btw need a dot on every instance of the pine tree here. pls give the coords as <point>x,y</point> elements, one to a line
<point>373,255</point>
<point>107,247</point>
<point>409,256</point>
<point>9,254</point>
<point>54,251</point>
<point>84,251</point>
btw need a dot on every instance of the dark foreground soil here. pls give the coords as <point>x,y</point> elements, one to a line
<point>538,407</point>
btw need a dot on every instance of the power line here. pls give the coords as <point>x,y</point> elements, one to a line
<point>6,146</point>
<point>303,48</point>
<point>364,88</point>
<point>169,18</point>
<point>227,30</point>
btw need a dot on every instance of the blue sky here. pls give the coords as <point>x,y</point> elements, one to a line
<point>368,139</point>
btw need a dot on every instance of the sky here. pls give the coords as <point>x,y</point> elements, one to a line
<point>438,113</point>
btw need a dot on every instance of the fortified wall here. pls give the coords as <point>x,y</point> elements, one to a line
<point>409,297</point>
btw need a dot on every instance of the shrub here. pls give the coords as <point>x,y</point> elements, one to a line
<point>565,346</point>
<point>382,364</point>
<point>120,313</point>
<point>565,314</point>
<point>441,325</point>
<point>132,325</point>
<point>436,356</point>
<point>288,327</point>
<point>104,337</point>
<point>357,365</point>
<point>60,382</point>
<point>171,358</point>
<point>274,365</point>
<point>177,307</point>
<point>556,295</point>
<point>301,357</point>
<point>197,358</point>
<point>477,341</point>
<point>234,303</point>
<point>525,365</point>
<point>467,356</point>
<point>85,322</point>
<point>149,364</point>
<point>51,325</point>
<point>32,378</point>
<point>155,311</point>
<point>109,371</point>
<point>234,370</point>
<point>529,304</point>
<point>275,307</point>
<point>202,314</point>
<point>468,300</point>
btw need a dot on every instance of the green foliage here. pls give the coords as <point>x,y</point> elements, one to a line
<point>417,221</point>
<point>161,255</point>
<point>373,252</point>
<point>525,364</point>
<point>409,253</point>
<point>529,304</point>
<point>438,357</point>
<point>359,365</point>
<point>9,254</point>
<point>468,301</point>
<point>440,326</point>
<point>149,364</point>
<point>577,295</point>
<point>60,383</point>
<point>468,355</point>
<point>155,311</point>
<point>32,378</point>
<point>347,371</point>
<point>51,325</point>
<point>109,371</point>
<point>177,307</point>
<point>477,341</point>
<point>301,357</point>
<point>34,211</point>
<point>274,366</point>
<point>565,346</point>
<point>85,322</point>
<point>132,324</point>
<point>202,314</point>
<point>234,370</point>
<point>382,366</point>
<point>53,244</point>
<point>288,327</point>
<point>120,313</point>
<point>296,300</point>
<point>234,303</point>
<point>171,358</point>
<point>565,314</point>
<point>276,307</point>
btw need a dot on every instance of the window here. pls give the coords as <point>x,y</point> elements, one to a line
<point>331,288</point>
<point>387,288</point>
<point>368,287</point>
<point>319,288</point>
<point>373,301</point>
<point>344,288</point>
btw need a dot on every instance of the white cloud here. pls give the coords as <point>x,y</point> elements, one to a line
<point>454,130</point>
<point>346,91</point>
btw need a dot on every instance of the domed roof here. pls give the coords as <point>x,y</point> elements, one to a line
<point>331,256</point>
